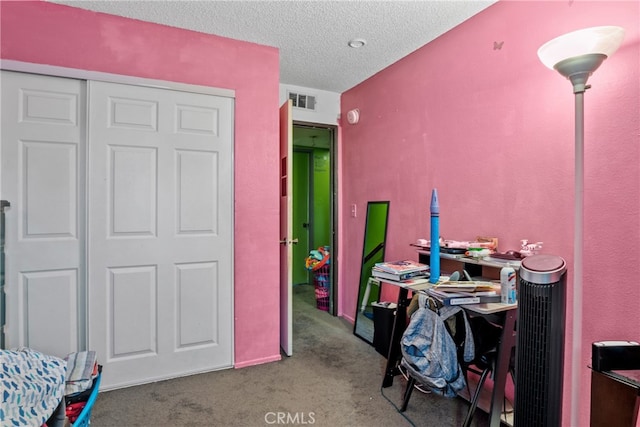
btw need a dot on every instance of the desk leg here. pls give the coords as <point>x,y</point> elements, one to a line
<point>507,342</point>
<point>399,325</point>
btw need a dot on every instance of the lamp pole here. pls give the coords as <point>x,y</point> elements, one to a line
<point>578,69</point>
<point>576,56</point>
<point>578,237</point>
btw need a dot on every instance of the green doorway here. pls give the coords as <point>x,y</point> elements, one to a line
<point>312,202</point>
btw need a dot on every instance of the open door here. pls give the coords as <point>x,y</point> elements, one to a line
<point>286,215</point>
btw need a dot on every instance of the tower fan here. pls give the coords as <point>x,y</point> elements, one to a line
<point>540,341</point>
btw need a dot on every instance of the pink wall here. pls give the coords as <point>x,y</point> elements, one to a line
<point>58,35</point>
<point>493,131</point>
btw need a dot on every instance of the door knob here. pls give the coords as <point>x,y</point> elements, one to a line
<point>284,241</point>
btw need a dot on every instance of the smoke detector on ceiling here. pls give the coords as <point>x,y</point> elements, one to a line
<point>357,43</point>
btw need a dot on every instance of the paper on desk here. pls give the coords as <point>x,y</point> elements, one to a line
<point>465,286</point>
<point>420,286</point>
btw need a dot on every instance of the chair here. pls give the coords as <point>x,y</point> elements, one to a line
<point>486,364</point>
<point>486,336</point>
<point>456,325</point>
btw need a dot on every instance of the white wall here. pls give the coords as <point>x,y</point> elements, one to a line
<point>327,105</point>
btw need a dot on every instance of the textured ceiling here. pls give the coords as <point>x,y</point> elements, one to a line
<point>312,35</point>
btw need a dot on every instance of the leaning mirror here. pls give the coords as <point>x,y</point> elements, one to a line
<point>375,235</point>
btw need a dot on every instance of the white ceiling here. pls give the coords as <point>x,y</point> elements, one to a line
<point>312,36</point>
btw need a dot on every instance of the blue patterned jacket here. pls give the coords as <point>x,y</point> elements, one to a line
<point>429,352</point>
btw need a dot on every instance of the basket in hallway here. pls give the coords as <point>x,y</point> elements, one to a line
<point>321,283</point>
<point>84,418</point>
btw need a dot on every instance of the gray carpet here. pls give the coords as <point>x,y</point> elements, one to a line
<point>333,379</point>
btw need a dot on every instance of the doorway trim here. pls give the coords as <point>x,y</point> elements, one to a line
<point>333,190</point>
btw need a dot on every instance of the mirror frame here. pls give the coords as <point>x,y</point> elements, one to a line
<point>373,249</point>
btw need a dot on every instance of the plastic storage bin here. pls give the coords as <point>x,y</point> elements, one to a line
<point>321,283</point>
<point>84,419</point>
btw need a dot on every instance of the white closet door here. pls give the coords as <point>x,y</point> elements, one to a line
<point>160,227</point>
<point>42,177</point>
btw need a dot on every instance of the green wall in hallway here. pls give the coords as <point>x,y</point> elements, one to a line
<point>311,182</point>
<point>321,198</point>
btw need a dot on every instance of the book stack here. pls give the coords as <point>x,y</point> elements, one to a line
<point>459,293</point>
<point>401,271</point>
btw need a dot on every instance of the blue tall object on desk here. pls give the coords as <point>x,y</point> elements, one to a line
<point>434,260</point>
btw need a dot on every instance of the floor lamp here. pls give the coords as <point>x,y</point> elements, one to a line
<point>576,56</point>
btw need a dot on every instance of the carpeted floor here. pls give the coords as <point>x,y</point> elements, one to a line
<point>333,379</point>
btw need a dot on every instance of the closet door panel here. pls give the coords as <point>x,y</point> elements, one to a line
<point>43,149</point>
<point>136,264</point>
<point>160,214</point>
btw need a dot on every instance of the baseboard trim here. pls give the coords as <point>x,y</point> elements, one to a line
<point>260,361</point>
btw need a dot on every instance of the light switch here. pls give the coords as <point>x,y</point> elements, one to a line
<point>354,211</point>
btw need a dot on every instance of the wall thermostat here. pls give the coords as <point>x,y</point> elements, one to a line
<point>353,116</point>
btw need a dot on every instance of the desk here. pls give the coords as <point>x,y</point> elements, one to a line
<point>499,314</point>
<point>615,398</point>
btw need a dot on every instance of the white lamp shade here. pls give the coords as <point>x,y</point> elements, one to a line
<point>599,40</point>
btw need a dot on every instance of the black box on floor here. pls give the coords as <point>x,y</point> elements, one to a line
<point>383,316</point>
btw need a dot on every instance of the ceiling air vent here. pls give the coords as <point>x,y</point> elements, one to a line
<point>306,102</point>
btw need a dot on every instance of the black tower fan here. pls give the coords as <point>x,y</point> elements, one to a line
<point>540,341</point>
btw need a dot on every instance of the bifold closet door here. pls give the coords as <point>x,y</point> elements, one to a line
<point>42,177</point>
<point>160,226</point>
